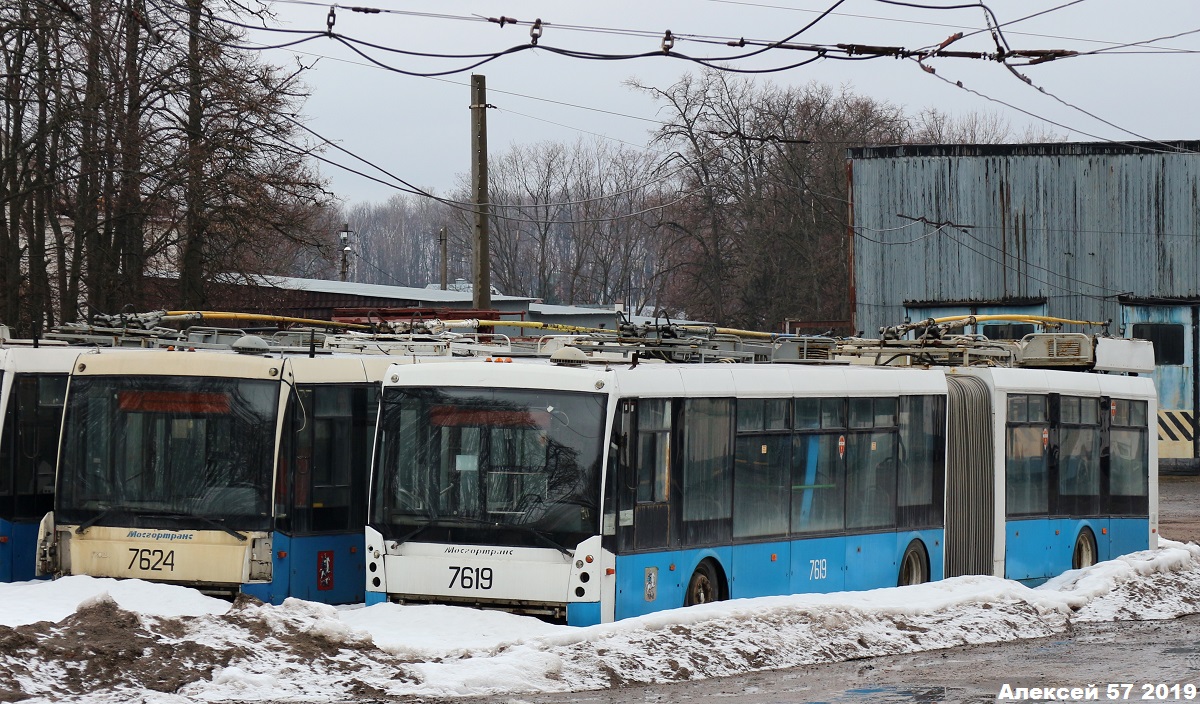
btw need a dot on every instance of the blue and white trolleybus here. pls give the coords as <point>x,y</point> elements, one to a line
<point>589,489</point>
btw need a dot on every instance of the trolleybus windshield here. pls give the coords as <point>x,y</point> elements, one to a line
<point>168,452</point>
<point>489,466</point>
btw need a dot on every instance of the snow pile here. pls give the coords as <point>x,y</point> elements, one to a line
<point>133,639</point>
<point>29,602</point>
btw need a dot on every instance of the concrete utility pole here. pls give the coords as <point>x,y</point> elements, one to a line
<point>445,262</point>
<point>481,270</point>
<point>345,248</point>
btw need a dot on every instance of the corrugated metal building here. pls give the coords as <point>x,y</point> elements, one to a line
<point>1091,231</point>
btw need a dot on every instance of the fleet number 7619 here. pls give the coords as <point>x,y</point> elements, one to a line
<point>471,577</point>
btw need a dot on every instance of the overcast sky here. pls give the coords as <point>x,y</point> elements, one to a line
<point>418,127</point>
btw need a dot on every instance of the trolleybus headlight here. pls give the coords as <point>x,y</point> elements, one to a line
<point>588,559</point>
<point>579,591</point>
<point>372,567</point>
<point>579,564</point>
<point>375,582</point>
<point>585,577</point>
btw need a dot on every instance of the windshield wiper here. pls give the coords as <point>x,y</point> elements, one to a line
<point>541,536</point>
<point>102,515</point>
<point>414,532</point>
<point>203,519</point>
<point>157,514</point>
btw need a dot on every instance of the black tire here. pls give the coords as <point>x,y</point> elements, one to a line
<point>703,587</point>
<point>1085,553</point>
<point>914,566</point>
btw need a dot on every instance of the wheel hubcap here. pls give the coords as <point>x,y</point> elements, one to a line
<point>1087,556</point>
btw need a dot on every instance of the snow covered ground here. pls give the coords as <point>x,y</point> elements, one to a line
<point>100,640</point>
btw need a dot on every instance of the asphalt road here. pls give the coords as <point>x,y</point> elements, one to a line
<point>1137,653</point>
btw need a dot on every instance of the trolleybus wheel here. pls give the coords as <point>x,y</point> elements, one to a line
<point>1085,550</point>
<point>914,566</point>
<point>703,586</point>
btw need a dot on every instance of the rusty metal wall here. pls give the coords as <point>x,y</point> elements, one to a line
<point>1075,224</point>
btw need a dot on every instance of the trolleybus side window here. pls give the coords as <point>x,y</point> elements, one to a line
<point>405,452</point>
<point>762,468</point>
<point>921,461</point>
<point>871,445</point>
<point>28,446</point>
<point>818,494</point>
<point>1129,458</point>
<point>707,470</point>
<point>1027,452</point>
<point>7,456</point>
<point>1079,456</point>
<point>654,450</point>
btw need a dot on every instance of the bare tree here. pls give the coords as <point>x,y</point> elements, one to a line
<point>760,221</point>
<point>107,169</point>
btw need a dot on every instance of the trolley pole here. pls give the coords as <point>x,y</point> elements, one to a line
<point>481,284</point>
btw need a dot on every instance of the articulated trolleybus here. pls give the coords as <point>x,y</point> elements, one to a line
<point>605,484</point>
<point>230,472</point>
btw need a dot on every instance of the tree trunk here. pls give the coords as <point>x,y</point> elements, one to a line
<point>191,271</point>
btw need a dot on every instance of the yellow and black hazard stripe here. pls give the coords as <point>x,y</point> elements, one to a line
<point>1176,426</point>
<point>1176,431</point>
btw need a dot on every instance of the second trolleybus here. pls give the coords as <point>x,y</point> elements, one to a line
<point>593,490</point>
<point>229,472</point>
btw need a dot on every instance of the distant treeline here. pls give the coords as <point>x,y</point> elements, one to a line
<point>736,214</point>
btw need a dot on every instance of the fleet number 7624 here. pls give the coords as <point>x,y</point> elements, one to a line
<point>149,560</point>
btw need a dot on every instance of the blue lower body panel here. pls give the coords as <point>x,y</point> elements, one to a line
<point>1126,535</point>
<point>873,560</point>
<point>1067,532</point>
<point>1037,549</point>
<point>651,582</point>
<point>324,568</point>
<point>1027,547</point>
<point>648,582</point>
<point>583,613</point>
<point>818,566</point>
<point>760,569</point>
<point>6,551</point>
<point>18,550</point>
